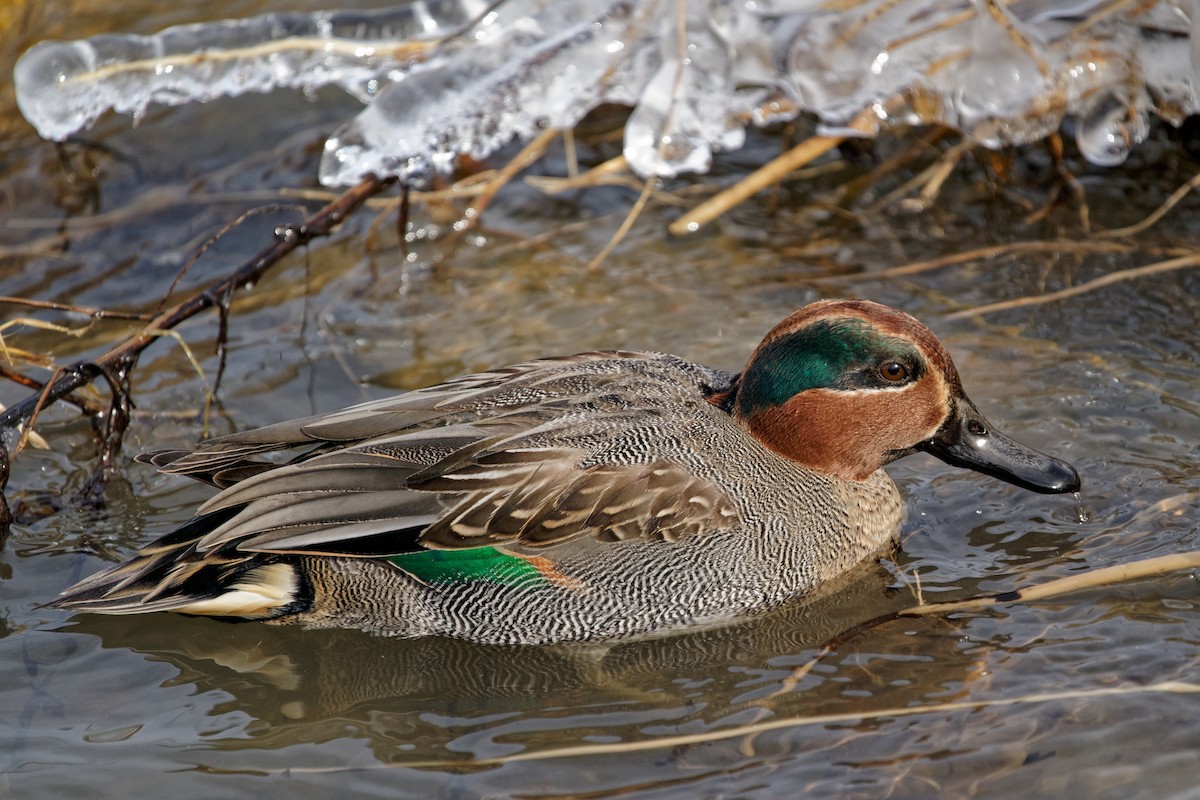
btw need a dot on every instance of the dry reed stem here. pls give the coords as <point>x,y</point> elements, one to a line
<point>738,731</point>
<point>599,175</point>
<point>1002,19</point>
<point>1103,576</point>
<point>851,31</point>
<point>756,728</point>
<point>997,251</point>
<point>930,179</point>
<point>97,313</point>
<point>151,201</point>
<point>767,175</point>
<point>570,154</point>
<point>1072,291</point>
<point>851,189</point>
<point>470,186</point>
<point>483,186</point>
<point>539,239</point>
<point>681,56</point>
<point>944,25</point>
<point>528,156</point>
<point>554,186</point>
<point>399,51</point>
<point>1156,215</point>
<point>626,224</point>
<point>1091,579</point>
<point>942,169</point>
<point>1104,13</point>
<point>117,362</point>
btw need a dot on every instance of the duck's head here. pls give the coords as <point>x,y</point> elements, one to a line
<point>847,386</point>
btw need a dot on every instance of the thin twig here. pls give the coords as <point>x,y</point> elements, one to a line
<point>930,179</point>
<point>115,423</point>
<point>1072,291</point>
<point>599,175</point>
<point>125,355</point>
<point>85,404</point>
<point>785,723</point>
<point>211,240</point>
<point>1103,576</point>
<point>410,50</point>
<point>767,175</point>
<point>997,251</point>
<point>626,224</point>
<point>95,313</point>
<point>537,240</point>
<point>1100,15</point>
<point>1091,579</point>
<point>529,155</point>
<point>663,139</point>
<point>1156,215</point>
<point>851,189</point>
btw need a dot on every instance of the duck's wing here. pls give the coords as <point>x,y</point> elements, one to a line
<point>604,445</point>
<point>535,455</point>
<point>226,460</point>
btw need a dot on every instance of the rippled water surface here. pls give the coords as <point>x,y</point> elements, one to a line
<point>1061,698</point>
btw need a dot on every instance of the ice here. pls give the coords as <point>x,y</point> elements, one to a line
<point>444,78</point>
<point>63,87</point>
<point>1003,70</point>
<point>522,67</point>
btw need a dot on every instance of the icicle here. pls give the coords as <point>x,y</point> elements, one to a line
<point>443,78</point>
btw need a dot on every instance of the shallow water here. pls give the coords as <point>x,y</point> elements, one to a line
<point>193,708</point>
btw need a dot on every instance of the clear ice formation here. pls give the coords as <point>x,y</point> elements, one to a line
<point>443,78</point>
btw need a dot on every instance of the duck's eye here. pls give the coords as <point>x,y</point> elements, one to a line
<point>893,371</point>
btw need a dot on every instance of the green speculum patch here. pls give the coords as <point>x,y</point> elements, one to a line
<point>488,564</point>
<point>825,355</point>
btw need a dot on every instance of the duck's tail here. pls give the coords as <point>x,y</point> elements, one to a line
<point>169,575</point>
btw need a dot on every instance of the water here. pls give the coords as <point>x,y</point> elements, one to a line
<point>194,708</point>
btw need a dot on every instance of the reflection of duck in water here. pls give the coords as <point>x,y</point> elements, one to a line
<point>589,497</point>
<point>441,699</point>
<point>333,670</point>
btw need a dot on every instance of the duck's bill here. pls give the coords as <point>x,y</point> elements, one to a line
<point>968,440</point>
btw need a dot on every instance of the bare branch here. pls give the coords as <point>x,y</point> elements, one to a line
<point>120,360</point>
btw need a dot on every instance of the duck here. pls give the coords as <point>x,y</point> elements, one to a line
<point>584,498</point>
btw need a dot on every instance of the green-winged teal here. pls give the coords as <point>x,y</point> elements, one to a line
<point>600,495</point>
